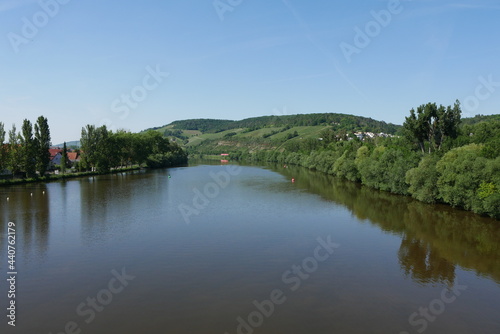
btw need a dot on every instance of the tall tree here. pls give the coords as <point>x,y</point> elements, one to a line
<point>14,151</point>
<point>3,148</point>
<point>96,148</point>
<point>42,138</point>
<point>28,148</point>
<point>88,142</point>
<point>64,159</point>
<point>104,154</point>
<point>450,122</point>
<point>431,125</point>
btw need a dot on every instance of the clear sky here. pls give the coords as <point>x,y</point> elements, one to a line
<point>139,64</point>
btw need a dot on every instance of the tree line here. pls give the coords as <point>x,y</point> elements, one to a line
<point>102,149</point>
<point>435,160</point>
<point>26,151</point>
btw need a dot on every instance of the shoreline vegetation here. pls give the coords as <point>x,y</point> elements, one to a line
<point>435,157</point>
<point>27,158</point>
<point>60,177</point>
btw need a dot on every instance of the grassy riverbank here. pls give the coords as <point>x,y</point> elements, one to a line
<point>58,177</point>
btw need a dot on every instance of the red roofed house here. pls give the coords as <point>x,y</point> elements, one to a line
<point>73,157</point>
<point>55,157</point>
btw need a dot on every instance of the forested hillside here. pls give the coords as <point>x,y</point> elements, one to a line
<point>337,121</point>
<point>480,118</point>
<point>211,136</point>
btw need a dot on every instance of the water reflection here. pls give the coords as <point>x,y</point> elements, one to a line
<point>104,200</point>
<point>111,203</point>
<point>28,207</point>
<point>424,263</point>
<point>435,238</point>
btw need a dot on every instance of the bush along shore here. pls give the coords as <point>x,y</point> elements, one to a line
<point>434,160</point>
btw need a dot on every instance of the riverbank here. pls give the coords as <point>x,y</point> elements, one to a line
<point>434,179</point>
<point>58,177</point>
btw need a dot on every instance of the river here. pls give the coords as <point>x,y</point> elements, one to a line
<point>243,249</point>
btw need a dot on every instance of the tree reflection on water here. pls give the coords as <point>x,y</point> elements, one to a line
<point>434,238</point>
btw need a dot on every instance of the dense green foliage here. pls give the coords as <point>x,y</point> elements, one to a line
<point>42,139</point>
<point>28,149</point>
<point>3,148</point>
<point>102,149</point>
<point>432,125</point>
<point>14,152</point>
<point>26,152</point>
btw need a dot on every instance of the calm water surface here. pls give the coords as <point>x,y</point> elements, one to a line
<point>143,252</point>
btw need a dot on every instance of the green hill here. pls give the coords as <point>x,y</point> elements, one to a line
<point>480,118</point>
<point>212,136</point>
<point>337,121</point>
<point>215,136</point>
<point>70,144</point>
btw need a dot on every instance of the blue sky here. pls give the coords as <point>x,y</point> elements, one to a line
<point>76,62</point>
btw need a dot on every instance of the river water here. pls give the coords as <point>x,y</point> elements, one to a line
<point>242,249</point>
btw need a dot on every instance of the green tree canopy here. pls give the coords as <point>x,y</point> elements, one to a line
<point>42,140</point>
